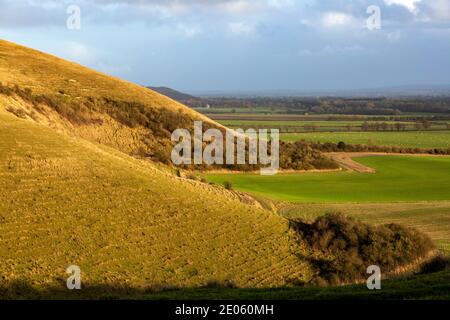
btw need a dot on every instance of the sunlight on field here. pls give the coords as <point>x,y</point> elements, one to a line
<point>423,139</point>
<point>397,179</point>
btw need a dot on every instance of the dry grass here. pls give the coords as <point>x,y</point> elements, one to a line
<point>88,104</point>
<point>47,74</point>
<point>66,201</point>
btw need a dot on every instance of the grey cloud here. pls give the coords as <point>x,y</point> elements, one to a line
<point>24,13</point>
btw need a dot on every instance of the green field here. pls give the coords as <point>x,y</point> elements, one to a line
<point>401,191</point>
<point>278,123</point>
<point>311,125</point>
<point>421,139</point>
<point>397,179</point>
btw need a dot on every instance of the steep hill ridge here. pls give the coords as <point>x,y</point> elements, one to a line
<point>67,201</point>
<point>74,195</point>
<point>89,104</point>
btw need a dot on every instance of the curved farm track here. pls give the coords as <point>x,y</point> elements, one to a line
<point>345,160</point>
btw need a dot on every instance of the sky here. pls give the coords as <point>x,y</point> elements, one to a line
<point>201,46</point>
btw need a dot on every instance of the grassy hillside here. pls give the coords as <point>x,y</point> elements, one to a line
<point>93,106</point>
<point>396,179</point>
<point>67,201</point>
<point>47,74</point>
<point>89,104</point>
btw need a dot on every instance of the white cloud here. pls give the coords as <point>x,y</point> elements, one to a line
<point>84,55</point>
<point>240,28</point>
<point>333,19</point>
<point>437,9</point>
<point>236,7</point>
<point>280,3</point>
<point>409,4</point>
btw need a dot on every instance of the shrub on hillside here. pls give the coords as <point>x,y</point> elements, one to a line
<point>191,176</point>
<point>17,112</point>
<point>342,248</point>
<point>219,284</point>
<point>162,155</point>
<point>301,155</point>
<point>228,185</point>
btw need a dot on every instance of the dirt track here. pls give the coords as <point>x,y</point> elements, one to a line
<point>344,159</point>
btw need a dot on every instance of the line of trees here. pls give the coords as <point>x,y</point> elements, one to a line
<point>344,147</point>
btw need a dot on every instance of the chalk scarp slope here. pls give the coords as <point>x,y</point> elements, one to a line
<point>66,201</point>
<point>91,105</point>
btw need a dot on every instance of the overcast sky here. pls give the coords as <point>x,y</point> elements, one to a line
<point>243,45</point>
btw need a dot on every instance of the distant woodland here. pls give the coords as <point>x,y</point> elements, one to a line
<point>345,106</point>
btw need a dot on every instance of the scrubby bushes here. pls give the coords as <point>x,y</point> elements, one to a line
<point>219,284</point>
<point>77,112</point>
<point>343,147</point>
<point>341,248</point>
<point>228,185</point>
<point>160,122</point>
<point>17,112</point>
<point>301,155</point>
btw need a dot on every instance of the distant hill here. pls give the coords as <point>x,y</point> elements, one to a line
<point>405,91</point>
<point>174,94</point>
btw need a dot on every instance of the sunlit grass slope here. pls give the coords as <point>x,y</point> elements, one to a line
<point>88,104</point>
<point>67,201</point>
<point>47,74</point>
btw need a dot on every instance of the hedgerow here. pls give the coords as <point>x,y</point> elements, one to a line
<point>341,248</point>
